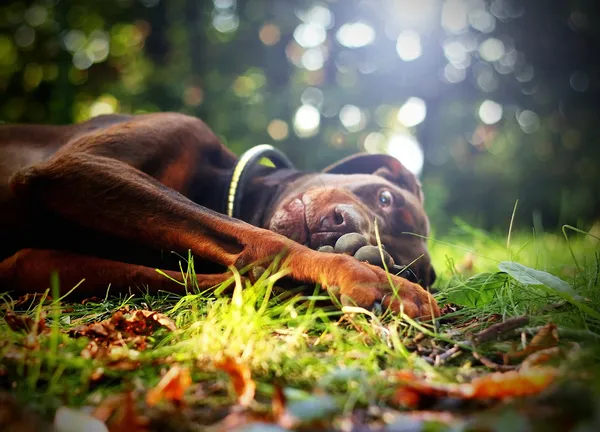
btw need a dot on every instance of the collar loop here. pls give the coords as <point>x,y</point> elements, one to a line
<point>243,169</point>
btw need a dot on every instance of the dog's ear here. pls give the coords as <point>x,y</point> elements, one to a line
<point>382,165</point>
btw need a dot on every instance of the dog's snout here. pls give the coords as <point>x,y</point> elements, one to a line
<point>341,217</point>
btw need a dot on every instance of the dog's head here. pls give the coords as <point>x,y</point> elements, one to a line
<point>350,196</point>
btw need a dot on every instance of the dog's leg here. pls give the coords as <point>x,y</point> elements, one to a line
<point>28,271</point>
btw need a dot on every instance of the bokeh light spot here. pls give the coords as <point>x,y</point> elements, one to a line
<point>269,34</point>
<point>278,129</point>
<point>317,14</point>
<point>529,121</point>
<point>406,149</point>
<point>352,118</point>
<point>482,20</point>
<point>454,16</point>
<point>309,35</point>
<point>490,112</point>
<point>24,36</point>
<point>579,81</point>
<point>454,75</point>
<point>355,35</point>
<point>313,59</point>
<point>374,142</point>
<point>413,112</point>
<point>307,121</point>
<point>225,22</point>
<point>408,45</point>
<point>491,49</point>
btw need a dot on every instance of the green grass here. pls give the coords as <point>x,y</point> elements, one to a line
<point>332,365</point>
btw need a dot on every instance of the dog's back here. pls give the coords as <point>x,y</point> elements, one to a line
<point>23,145</point>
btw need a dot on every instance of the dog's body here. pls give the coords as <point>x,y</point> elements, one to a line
<point>101,199</point>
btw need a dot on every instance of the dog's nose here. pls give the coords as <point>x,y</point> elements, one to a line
<point>341,217</point>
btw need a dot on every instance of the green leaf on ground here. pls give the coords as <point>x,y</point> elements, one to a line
<point>554,285</point>
<point>478,290</point>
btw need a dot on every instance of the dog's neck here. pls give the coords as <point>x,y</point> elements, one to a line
<point>263,190</point>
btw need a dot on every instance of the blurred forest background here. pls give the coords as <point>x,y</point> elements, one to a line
<point>490,101</point>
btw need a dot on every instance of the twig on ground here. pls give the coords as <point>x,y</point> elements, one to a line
<point>495,330</point>
<point>493,365</point>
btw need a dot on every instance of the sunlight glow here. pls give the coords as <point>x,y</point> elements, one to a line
<point>408,45</point>
<point>355,35</point>
<point>412,112</point>
<point>307,121</point>
<point>406,149</point>
<point>490,112</point>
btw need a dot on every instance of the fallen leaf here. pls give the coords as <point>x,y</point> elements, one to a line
<point>142,322</point>
<point>241,378</point>
<point>32,299</point>
<point>19,322</point>
<point>127,418</point>
<point>546,337</point>
<point>498,385</point>
<point>120,414</point>
<point>171,387</point>
<point>510,384</point>
<point>111,338</point>
<point>541,357</point>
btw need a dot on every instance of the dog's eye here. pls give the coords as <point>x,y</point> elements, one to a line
<point>385,198</point>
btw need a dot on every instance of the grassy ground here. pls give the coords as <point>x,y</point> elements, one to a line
<point>265,360</point>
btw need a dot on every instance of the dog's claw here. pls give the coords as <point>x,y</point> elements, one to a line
<point>377,308</point>
<point>326,249</point>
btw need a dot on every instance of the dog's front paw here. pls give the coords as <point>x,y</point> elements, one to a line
<point>370,287</point>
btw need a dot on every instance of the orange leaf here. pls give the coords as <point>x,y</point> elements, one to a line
<point>511,384</point>
<point>546,337</point>
<point>119,414</point>
<point>497,385</point>
<point>171,387</point>
<point>241,378</point>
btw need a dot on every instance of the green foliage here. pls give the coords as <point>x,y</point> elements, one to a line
<point>477,291</point>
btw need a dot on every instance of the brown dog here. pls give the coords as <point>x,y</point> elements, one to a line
<point>101,200</point>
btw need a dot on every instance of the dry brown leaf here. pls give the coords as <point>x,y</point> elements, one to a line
<point>511,384</point>
<point>171,387</point>
<point>19,322</point>
<point>32,299</point>
<point>124,324</point>
<point>120,414</point>
<point>546,337</point>
<point>542,356</point>
<point>498,385</point>
<point>124,329</point>
<point>241,378</point>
